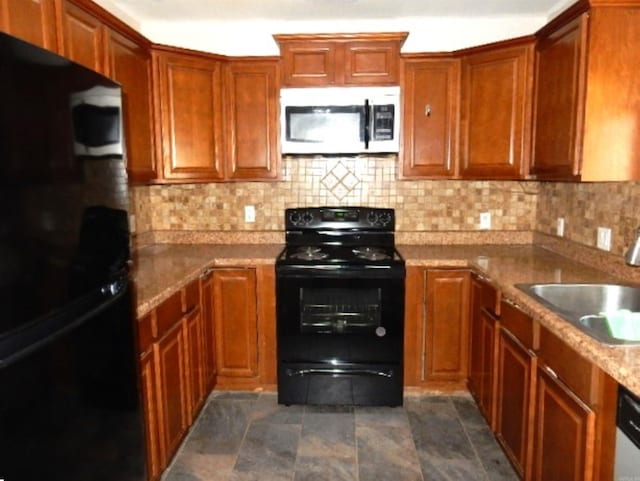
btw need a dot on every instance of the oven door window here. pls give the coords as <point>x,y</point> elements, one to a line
<point>340,311</point>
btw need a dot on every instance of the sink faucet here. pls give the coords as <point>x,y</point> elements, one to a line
<point>632,257</point>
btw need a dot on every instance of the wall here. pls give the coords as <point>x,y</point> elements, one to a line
<point>446,205</point>
<point>587,206</point>
<point>237,31</point>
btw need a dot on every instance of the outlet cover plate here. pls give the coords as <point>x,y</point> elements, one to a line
<point>604,238</point>
<point>249,213</point>
<point>485,220</point>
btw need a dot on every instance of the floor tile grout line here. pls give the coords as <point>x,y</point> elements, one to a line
<point>244,436</point>
<point>413,441</point>
<point>469,438</point>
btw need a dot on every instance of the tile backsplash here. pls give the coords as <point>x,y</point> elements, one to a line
<point>421,206</point>
<point>587,206</point>
<point>432,205</point>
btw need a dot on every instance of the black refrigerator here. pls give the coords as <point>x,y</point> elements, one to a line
<point>69,393</point>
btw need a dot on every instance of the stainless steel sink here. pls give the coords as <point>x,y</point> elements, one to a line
<point>582,304</point>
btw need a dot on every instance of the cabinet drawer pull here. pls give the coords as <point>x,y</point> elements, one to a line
<point>506,300</point>
<point>482,277</point>
<point>206,272</point>
<point>551,372</point>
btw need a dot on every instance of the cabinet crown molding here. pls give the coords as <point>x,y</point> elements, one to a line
<point>341,37</point>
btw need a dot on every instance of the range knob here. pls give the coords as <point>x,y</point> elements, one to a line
<point>372,218</point>
<point>307,217</point>
<point>379,219</point>
<point>294,218</point>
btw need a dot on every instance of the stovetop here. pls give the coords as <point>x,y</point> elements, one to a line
<point>340,237</point>
<point>352,255</point>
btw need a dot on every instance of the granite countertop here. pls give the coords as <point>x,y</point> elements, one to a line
<point>160,270</point>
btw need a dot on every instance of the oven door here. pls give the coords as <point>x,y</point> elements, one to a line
<point>340,320</point>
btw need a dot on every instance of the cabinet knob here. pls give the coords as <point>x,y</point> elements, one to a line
<point>427,110</point>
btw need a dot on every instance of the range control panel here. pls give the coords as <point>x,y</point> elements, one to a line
<point>317,218</point>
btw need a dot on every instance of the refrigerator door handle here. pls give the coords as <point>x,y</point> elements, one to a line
<point>17,344</point>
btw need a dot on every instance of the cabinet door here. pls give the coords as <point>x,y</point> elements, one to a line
<point>371,63</point>
<point>150,407</point>
<point>190,91</point>
<point>209,346</point>
<point>564,432</point>
<point>195,362</point>
<point>130,65</point>
<point>489,328</point>
<point>516,381</point>
<point>484,297</point>
<point>559,90</point>
<point>251,116</point>
<point>430,118</point>
<point>30,20</point>
<point>496,113</point>
<point>84,37</point>
<point>447,325</point>
<point>306,64</point>
<point>170,353</point>
<point>236,324</point>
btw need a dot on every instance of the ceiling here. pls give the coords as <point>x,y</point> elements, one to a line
<point>144,11</point>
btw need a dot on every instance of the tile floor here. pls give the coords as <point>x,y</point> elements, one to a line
<point>249,437</point>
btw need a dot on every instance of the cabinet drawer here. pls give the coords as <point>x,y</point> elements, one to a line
<point>574,370</point>
<point>191,296</point>
<point>168,313</point>
<point>146,331</point>
<point>520,324</point>
<point>486,296</point>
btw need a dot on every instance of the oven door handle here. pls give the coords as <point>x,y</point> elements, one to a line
<point>338,372</point>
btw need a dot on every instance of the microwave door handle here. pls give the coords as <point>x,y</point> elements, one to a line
<point>367,121</point>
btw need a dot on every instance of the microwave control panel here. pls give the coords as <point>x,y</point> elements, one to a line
<point>382,128</point>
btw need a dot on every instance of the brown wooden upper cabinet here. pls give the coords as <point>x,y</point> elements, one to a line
<point>251,90</point>
<point>30,20</point>
<point>496,110</point>
<point>430,117</point>
<point>99,41</point>
<point>84,37</point>
<point>586,95</point>
<point>129,63</point>
<point>189,110</point>
<point>340,59</point>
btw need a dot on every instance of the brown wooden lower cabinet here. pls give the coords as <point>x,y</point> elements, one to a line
<point>149,404</point>
<point>170,359</point>
<point>436,327</point>
<point>208,341</point>
<point>488,345</point>
<point>483,306</point>
<point>447,325</point>
<point>564,432</point>
<point>194,330</point>
<point>553,410</point>
<point>575,415</point>
<point>236,323</point>
<point>172,373</point>
<point>519,335</point>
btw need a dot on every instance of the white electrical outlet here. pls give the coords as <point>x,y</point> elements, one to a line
<point>560,227</point>
<point>604,238</point>
<point>485,220</point>
<point>249,213</point>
